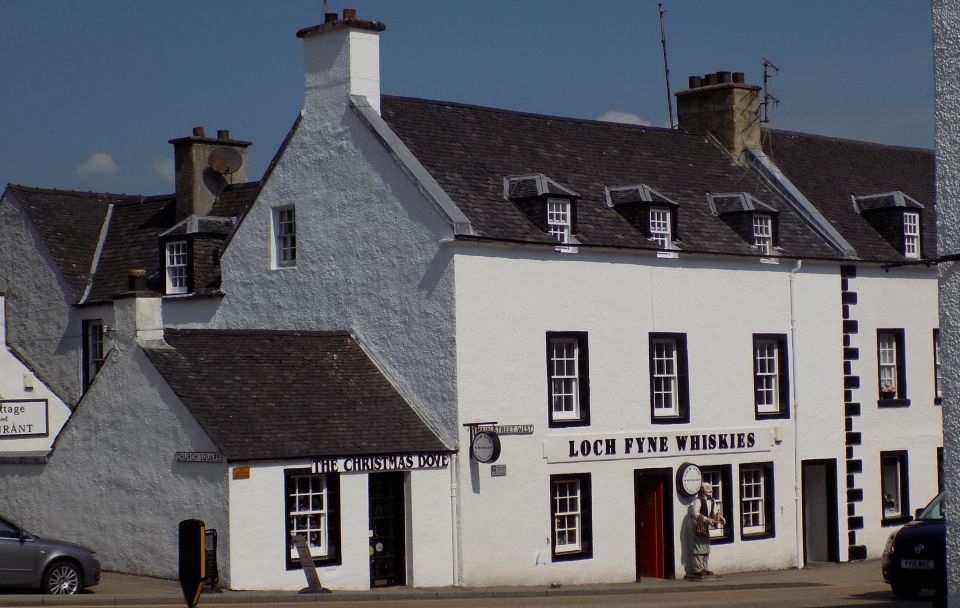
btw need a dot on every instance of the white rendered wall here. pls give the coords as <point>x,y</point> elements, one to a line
<point>257,531</point>
<point>898,298</point>
<point>946,52</point>
<point>113,471</point>
<point>13,386</point>
<point>507,301</point>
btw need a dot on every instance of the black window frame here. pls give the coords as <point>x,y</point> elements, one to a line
<point>683,378</point>
<point>583,378</point>
<point>89,367</point>
<point>903,461</point>
<point>586,519</point>
<point>769,501</point>
<point>334,555</point>
<point>726,478</point>
<point>783,378</point>
<point>900,399</point>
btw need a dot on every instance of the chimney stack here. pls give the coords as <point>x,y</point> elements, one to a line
<point>203,167</point>
<point>724,106</point>
<point>341,58</point>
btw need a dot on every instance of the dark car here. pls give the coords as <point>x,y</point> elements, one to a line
<point>915,557</point>
<point>52,566</point>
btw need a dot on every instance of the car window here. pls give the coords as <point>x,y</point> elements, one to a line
<point>8,530</point>
<point>934,510</point>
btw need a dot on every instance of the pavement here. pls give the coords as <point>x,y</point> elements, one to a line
<point>115,589</point>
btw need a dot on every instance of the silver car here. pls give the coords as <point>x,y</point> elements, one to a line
<point>52,566</point>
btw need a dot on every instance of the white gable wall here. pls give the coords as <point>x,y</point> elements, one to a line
<point>113,471</point>
<point>369,260</point>
<point>40,318</point>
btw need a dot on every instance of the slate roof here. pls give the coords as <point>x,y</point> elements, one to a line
<point>828,171</point>
<point>469,150</point>
<point>70,225</point>
<point>289,394</point>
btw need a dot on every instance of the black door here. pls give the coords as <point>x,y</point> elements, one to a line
<point>820,524</point>
<point>387,546</point>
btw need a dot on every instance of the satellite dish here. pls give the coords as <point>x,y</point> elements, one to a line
<point>215,182</point>
<point>225,160</point>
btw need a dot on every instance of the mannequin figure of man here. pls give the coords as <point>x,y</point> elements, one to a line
<point>706,513</point>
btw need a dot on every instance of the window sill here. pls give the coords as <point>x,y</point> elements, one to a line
<point>771,415</point>
<point>567,249</point>
<point>319,562</point>
<point>668,255</point>
<point>560,424</point>
<point>756,536</point>
<point>670,419</point>
<point>895,521</point>
<point>568,556</point>
<point>893,403</point>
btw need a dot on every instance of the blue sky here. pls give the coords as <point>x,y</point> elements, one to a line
<point>90,92</point>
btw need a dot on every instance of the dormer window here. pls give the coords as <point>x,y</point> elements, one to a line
<point>898,218</point>
<point>660,231</point>
<point>647,210</point>
<point>558,219</point>
<point>176,267</point>
<point>551,206</point>
<point>755,221</point>
<point>763,233</point>
<point>911,234</point>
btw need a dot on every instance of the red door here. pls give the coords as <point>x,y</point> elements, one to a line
<point>650,538</point>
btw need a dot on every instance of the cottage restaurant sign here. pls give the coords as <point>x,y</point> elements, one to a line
<point>23,418</point>
<point>655,444</point>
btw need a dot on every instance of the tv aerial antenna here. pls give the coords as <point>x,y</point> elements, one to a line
<point>768,97</point>
<point>666,68</point>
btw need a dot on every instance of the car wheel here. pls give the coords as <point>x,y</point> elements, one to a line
<point>61,578</point>
<point>905,591</point>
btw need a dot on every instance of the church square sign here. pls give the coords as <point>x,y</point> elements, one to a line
<point>656,444</point>
<point>23,418</point>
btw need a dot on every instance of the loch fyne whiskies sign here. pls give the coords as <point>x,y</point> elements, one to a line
<point>623,446</point>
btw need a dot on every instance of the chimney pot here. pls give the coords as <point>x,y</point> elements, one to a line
<point>223,134</point>
<point>738,77</point>
<point>198,132</point>
<point>137,279</point>
<point>710,79</point>
<point>329,17</point>
<point>695,82</point>
<point>724,77</point>
<point>349,13</point>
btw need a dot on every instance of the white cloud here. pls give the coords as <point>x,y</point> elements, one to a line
<point>164,168</point>
<point>98,164</point>
<point>627,117</point>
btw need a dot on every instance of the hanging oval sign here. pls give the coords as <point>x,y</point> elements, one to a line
<point>485,447</point>
<point>689,479</point>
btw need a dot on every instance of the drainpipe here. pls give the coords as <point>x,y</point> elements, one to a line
<point>797,466</point>
<point>455,519</point>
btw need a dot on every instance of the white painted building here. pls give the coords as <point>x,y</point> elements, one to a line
<point>612,301</point>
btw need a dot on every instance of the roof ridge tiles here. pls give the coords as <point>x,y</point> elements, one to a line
<point>573,119</point>
<point>846,140</point>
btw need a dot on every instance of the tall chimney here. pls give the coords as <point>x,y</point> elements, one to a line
<point>203,167</point>
<point>724,106</point>
<point>341,58</point>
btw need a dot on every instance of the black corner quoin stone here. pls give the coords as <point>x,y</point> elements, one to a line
<point>855,495</point>
<point>857,552</point>
<point>851,326</point>
<point>855,523</point>
<point>851,409</point>
<point>851,353</point>
<point>854,466</point>
<point>848,297</point>
<point>853,439</point>
<point>851,382</point>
